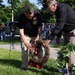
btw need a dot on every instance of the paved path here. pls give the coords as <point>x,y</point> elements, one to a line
<point>11,46</point>
<point>53,51</point>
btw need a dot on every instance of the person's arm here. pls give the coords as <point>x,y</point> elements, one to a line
<point>39,33</point>
<point>61,16</point>
<point>21,29</point>
<point>22,35</point>
<point>39,26</point>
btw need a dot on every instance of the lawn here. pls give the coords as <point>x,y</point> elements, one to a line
<point>10,62</point>
<point>8,41</point>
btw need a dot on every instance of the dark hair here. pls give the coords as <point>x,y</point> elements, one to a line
<point>28,9</point>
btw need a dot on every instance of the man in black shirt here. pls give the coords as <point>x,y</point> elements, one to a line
<point>65,18</point>
<point>30,28</point>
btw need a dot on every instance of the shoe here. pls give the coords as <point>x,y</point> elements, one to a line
<point>23,69</point>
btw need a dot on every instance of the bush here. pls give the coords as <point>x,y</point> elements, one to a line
<point>63,57</point>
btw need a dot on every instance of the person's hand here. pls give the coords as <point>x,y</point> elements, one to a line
<point>46,42</point>
<point>36,39</point>
<point>28,45</point>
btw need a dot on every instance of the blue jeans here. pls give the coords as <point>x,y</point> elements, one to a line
<point>12,35</point>
<point>3,36</point>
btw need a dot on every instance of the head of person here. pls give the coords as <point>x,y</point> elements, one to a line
<point>51,5</point>
<point>3,24</point>
<point>29,11</point>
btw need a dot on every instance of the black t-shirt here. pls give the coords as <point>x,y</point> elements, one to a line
<point>30,26</point>
<point>65,18</point>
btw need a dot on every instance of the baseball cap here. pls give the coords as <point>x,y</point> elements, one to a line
<point>46,3</point>
<point>28,9</point>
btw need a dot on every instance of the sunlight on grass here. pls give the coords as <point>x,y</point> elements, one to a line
<point>12,66</point>
<point>8,41</point>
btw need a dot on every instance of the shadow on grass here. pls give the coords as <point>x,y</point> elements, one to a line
<point>50,69</point>
<point>15,63</point>
<point>43,72</point>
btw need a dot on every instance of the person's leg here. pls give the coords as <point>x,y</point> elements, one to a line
<point>44,35</point>
<point>1,36</point>
<point>4,36</point>
<point>57,40</point>
<point>11,35</point>
<point>72,37</point>
<point>66,38</point>
<point>72,56</point>
<point>72,41</point>
<point>69,37</point>
<point>24,54</point>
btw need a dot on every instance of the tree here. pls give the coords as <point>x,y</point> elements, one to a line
<point>52,18</point>
<point>47,16</point>
<point>1,11</point>
<point>17,6</point>
<point>70,2</point>
<point>13,4</point>
<point>1,5</point>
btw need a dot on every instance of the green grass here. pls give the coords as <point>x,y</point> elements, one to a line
<point>57,46</point>
<point>8,41</point>
<point>11,65</point>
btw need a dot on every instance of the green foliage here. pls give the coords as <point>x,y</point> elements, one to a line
<point>65,52</point>
<point>45,15</point>
<point>24,3</point>
<point>70,2</point>
<point>63,56</point>
<point>52,18</point>
<point>1,11</point>
<point>1,5</point>
<point>13,3</point>
<point>16,5</point>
